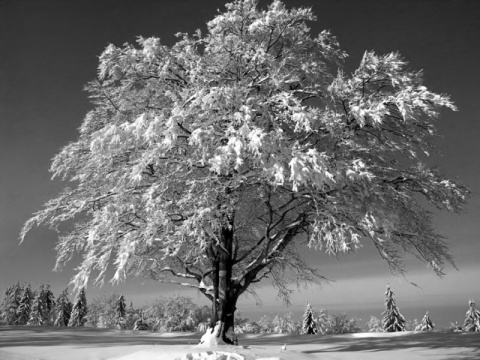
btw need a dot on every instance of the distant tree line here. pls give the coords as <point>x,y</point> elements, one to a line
<point>23,306</point>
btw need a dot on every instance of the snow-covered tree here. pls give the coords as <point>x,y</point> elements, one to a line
<point>208,160</point>
<point>48,303</point>
<point>309,325</point>
<point>286,324</point>
<point>374,325</point>
<point>141,324</point>
<point>426,324</point>
<point>121,312</point>
<point>79,310</point>
<point>36,313</point>
<point>175,313</point>
<point>63,309</point>
<point>102,311</point>
<point>24,306</point>
<point>10,303</point>
<point>342,323</point>
<point>472,320</point>
<point>132,316</point>
<point>392,319</point>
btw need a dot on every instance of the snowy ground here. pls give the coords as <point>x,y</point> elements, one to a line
<point>43,343</point>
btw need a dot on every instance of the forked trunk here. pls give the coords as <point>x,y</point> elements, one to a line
<point>225,296</point>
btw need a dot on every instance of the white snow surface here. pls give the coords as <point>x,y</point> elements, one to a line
<point>212,338</point>
<point>49,343</point>
<point>212,355</point>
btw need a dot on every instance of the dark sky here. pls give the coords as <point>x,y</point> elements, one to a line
<point>49,50</point>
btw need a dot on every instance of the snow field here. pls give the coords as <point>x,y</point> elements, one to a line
<point>48,343</point>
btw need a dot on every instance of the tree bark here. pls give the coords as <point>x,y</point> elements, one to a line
<point>225,295</point>
<point>225,291</point>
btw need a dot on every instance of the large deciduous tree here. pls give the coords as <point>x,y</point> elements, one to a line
<point>210,160</point>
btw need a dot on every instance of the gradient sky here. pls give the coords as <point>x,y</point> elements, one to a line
<point>49,50</point>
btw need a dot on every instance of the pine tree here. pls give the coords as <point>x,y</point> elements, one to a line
<point>121,311</point>
<point>63,309</point>
<point>48,303</point>
<point>11,301</point>
<point>6,305</point>
<point>36,313</point>
<point>426,324</point>
<point>131,316</point>
<point>472,320</point>
<point>79,311</point>
<point>309,325</point>
<point>392,320</point>
<point>25,306</point>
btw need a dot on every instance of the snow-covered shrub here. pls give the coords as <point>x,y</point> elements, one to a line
<point>132,316</point>
<point>140,324</point>
<point>266,324</point>
<point>286,324</point>
<point>279,324</point>
<point>322,320</point>
<point>244,325</point>
<point>102,311</point>
<point>454,327</point>
<point>374,325</point>
<point>342,324</point>
<point>176,313</point>
<point>472,320</point>
<point>412,325</point>
<point>249,327</point>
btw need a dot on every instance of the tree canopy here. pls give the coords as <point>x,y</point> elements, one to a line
<point>210,159</point>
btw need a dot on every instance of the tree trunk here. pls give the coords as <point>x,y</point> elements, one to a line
<point>225,295</point>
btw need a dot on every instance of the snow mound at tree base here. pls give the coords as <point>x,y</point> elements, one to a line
<point>212,355</point>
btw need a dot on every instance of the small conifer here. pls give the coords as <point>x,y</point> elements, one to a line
<point>426,324</point>
<point>79,311</point>
<point>392,319</point>
<point>472,320</point>
<point>309,325</point>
